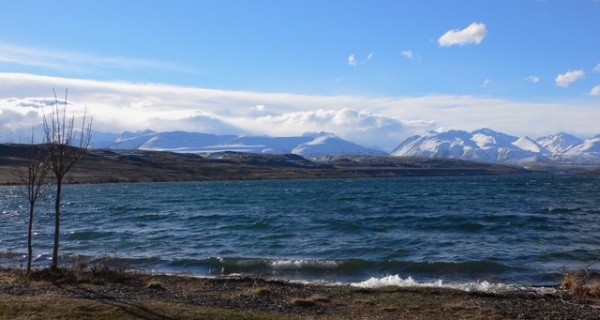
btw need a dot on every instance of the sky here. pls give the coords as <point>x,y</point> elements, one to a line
<point>372,72</point>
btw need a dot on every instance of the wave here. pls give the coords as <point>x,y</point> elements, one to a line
<point>334,270</point>
<point>353,272</point>
<point>482,286</point>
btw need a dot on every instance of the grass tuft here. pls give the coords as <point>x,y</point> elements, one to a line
<point>583,284</point>
<point>310,301</point>
<point>320,299</point>
<point>260,291</point>
<point>389,309</point>
<point>303,302</point>
<point>363,302</point>
<point>155,285</point>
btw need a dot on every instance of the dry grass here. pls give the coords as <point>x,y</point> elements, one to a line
<point>78,294</point>
<point>389,309</point>
<point>155,285</point>
<point>583,284</point>
<point>58,307</point>
<point>310,301</point>
<point>364,302</point>
<point>259,291</point>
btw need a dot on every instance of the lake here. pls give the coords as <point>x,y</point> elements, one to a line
<point>460,231</point>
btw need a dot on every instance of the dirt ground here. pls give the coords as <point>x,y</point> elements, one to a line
<point>106,294</point>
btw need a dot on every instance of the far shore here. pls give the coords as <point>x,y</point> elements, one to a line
<point>126,166</point>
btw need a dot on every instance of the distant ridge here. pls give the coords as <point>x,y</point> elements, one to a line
<point>310,144</point>
<point>486,145</point>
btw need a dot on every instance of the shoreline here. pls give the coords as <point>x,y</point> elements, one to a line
<point>103,292</point>
<point>490,285</point>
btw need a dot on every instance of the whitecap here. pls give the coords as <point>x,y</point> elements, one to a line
<point>478,286</point>
<point>299,264</point>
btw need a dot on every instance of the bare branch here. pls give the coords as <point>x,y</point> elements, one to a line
<point>64,151</point>
<point>34,182</point>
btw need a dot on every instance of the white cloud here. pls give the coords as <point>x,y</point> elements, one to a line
<point>474,33</point>
<point>368,120</point>
<point>486,82</point>
<point>565,79</point>
<point>597,68</point>
<point>533,79</point>
<point>595,91</point>
<point>77,62</point>
<point>352,60</point>
<point>408,54</point>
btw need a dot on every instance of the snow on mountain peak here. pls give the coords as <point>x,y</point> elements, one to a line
<point>318,143</point>
<point>330,144</point>
<point>490,138</point>
<point>319,134</point>
<point>526,143</point>
<point>559,143</point>
<point>128,134</point>
<point>484,145</point>
<point>591,145</point>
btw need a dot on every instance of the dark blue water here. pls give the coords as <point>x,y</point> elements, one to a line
<point>510,230</point>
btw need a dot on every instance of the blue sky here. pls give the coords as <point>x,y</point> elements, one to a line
<point>372,72</point>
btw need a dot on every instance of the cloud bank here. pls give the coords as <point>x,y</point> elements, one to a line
<point>367,120</point>
<point>474,33</point>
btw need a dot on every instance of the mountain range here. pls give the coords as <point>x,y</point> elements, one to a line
<point>486,145</point>
<point>483,145</point>
<point>309,144</point>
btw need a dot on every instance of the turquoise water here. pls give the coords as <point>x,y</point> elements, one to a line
<point>504,229</point>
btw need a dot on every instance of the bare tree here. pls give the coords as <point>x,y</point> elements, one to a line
<point>66,146</point>
<point>33,177</point>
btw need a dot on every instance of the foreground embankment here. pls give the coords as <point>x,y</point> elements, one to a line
<point>100,293</point>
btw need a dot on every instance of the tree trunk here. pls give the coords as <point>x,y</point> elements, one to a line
<point>57,224</point>
<point>29,240</point>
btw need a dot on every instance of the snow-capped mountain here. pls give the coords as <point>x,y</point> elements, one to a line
<point>483,145</point>
<point>486,145</point>
<point>330,144</point>
<point>310,144</point>
<point>584,153</point>
<point>559,143</point>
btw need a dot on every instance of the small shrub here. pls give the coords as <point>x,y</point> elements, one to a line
<point>82,264</point>
<point>155,285</point>
<point>583,284</point>
<point>109,269</point>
